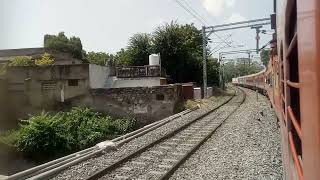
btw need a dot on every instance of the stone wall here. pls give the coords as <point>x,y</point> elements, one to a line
<point>147,104</point>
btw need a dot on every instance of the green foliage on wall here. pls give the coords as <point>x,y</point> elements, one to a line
<point>45,60</point>
<point>21,61</point>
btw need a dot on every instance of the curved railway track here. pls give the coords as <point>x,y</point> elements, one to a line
<point>159,159</point>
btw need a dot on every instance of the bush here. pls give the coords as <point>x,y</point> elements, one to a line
<point>50,135</point>
<point>21,61</point>
<point>45,60</point>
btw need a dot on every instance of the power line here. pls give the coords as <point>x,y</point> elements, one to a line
<point>196,15</point>
<point>198,18</point>
<point>191,13</point>
<point>195,12</point>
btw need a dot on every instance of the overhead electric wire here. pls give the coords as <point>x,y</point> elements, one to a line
<point>195,12</point>
<point>199,18</point>
<point>192,14</point>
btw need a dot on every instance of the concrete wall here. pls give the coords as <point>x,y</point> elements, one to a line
<point>98,76</point>
<point>34,89</point>
<point>197,92</point>
<point>148,104</point>
<point>4,116</point>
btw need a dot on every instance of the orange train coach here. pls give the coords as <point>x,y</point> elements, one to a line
<point>292,83</point>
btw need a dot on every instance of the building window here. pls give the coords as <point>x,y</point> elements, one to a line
<point>48,85</point>
<point>160,97</point>
<point>73,82</point>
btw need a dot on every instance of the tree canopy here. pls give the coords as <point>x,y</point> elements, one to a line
<point>99,58</point>
<point>139,49</point>
<point>180,48</point>
<point>62,43</point>
<point>240,67</point>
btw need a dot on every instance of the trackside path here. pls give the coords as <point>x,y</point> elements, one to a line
<point>246,146</point>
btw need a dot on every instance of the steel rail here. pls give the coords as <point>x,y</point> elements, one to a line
<point>57,165</point>
<point>195,148</point>
<point>118,163</point>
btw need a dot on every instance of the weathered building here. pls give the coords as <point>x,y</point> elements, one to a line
<point>32,89</point>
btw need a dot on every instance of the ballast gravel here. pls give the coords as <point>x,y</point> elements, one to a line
<point>86,168</point>
<point>246,146</point>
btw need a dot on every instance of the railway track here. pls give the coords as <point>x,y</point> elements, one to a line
<point>159,159</point>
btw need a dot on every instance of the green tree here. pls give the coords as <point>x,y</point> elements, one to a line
<point>240,67</point>
<point>123,58</point>
<point>213,71</point>
<point>61,43</point>
<point>99,58</point>
<point>139,49</point>
<point>265,56</point>
<point>180,47</point>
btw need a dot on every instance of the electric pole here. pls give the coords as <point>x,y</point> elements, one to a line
<point>204,60</point>
<point>208,30</point>
<point>257,36</point>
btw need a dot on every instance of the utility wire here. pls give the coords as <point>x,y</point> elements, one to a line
<point>195,12</point>
<point>196,15</point>
<point>191,13</point>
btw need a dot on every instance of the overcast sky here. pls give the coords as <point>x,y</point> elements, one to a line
<point>106,25</point>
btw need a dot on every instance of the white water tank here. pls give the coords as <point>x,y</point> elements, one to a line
<point>154,59</point>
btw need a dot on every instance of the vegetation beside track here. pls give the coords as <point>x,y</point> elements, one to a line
<point>57,134</point>
<point>217,96</point>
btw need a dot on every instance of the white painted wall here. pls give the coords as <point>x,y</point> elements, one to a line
<point>136,82</point>
<point>99,78</point>
<point>209,92</point>
<point>98,75</point>
<point>197,92</point>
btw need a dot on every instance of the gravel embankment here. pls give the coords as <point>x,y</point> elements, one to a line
<point>246,146</point>
<point>86,168</point>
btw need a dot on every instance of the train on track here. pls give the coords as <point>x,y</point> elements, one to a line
<point>292,82</point>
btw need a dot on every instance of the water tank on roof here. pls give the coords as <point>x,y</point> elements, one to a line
<point>154,59</point>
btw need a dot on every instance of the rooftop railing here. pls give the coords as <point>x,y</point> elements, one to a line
<point>138,71</point>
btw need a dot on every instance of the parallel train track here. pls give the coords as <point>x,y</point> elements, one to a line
<point>160,159</point>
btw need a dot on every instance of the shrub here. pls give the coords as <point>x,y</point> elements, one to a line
<point>43,134</point>
<point>50,135</point>
<point>21,61</point>
<point>45,60</point>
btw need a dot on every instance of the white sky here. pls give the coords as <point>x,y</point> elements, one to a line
<point>106,25</point>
